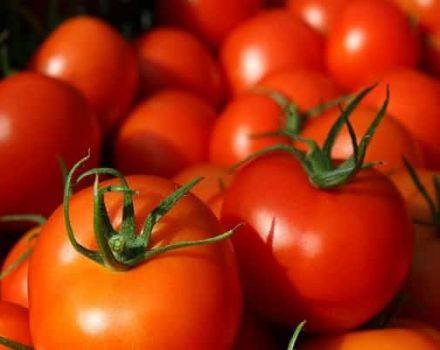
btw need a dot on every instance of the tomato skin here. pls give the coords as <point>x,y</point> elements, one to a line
<point>163,65</point>
<point>52,121</point>
<point>415,102</point>
<point>246,115</point>
<point>381,339</point>
<point>209,20</point>
<point>369,38</point>
<point>390,142</point>
<point>14,323</point>
<point>298,237</point>
<point>270,41</point>
<point>106,74</point>
<point>142,303</point>
<point>164,134</point>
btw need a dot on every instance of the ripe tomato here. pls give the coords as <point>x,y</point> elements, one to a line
<point>164,134</point>
<point>423,283</point>
<point>175,300</point>
<point>389,144</point>
<point>380,339</point>
<point>209,20</point>
<point>368,38</point>
<point>319,14</point>
<point>332,257</point>
<point>427,13</point>
<point>163,64</point>
<point>89,54</point>
<point>216,180</point>
<point>415,102</point>
<point>246,116</point>
<point>14,324</point>
<point>270,41</point>
<point>42,121</point>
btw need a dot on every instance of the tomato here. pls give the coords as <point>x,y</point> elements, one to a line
<point>216,180</point>
<point>209,20</point>
<point>381,339</point>
<point>183,299</point>
<point>235,132</point>
<point>421,288</point>
<point>14,324</point>
<point>89,54</point>
<point>42,121</point>
<point>304,87</point>
<point>163,64</point>
<point>319,14</point>
<point>401,322</point>
<point>389,144</point>
<point>426,12</point>
<point>368,38</point>
<point>332,257</point>
<point>415,102</point>
<point>270,41</point>
<point>14,286</point>
<point>164,134</point>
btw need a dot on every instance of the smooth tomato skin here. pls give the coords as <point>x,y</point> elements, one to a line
<point>415,102</point>
<point>270,41</point>
<point>423,282</point>
<point>234,134</point>
<point>14,286</point>
<point>89,54</point>
<point>302,257</point>
<point>305,87</point>
<point>319,14</point>
<point>163,64</point>
<point>216,180</point>
<point>174,301</point>
<point>390,142</point>
<point>42,121</point>
<point>14,323</point>
<point>210,20</point>
<point>380,339</point>
<point>369,38</point>
<point>164,134</point>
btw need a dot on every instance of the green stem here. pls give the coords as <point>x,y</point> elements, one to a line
<point>295,335</point>
<point>11,344</point>
<point>34,218</point>
<point>15,264</point>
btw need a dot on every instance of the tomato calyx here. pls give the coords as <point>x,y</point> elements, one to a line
<point>125,249</point>
<point>295,336</point>
<point>14,345</point>
<point>433,203</point>
<point>321,169</point>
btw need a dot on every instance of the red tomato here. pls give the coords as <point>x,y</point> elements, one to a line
<point>209,20</point>
<point>14,324</point>
<point>304,87</point>
<point>89,54</point>
<point>184,299</point>
<point>244,117</point>
<point>391,140</point>
<point>427,12</point>
<point>270,41</point>
<point>164,134</point>
<point>42,121</point>
<point>319,14</point>
<point>173,58</point>
<point>216,180</point>
<point>14,286</point>
<point>415,102</point>
<point>423,283</point>
<point>381,339</point>
<point>332,257</point>
<point>370,37</point>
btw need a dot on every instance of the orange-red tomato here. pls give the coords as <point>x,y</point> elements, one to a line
<point>369,38</point>
<point>93,57</point>
<point>270,41</point>
<point>14,324</point>
<point>427,12</point>
<point>174,58</point>
<point>209,20</point>
<point>185,299</point>
<point>164,134</point>
<point>390,142</point>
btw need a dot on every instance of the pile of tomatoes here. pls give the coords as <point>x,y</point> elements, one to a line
<point>235,171</point>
